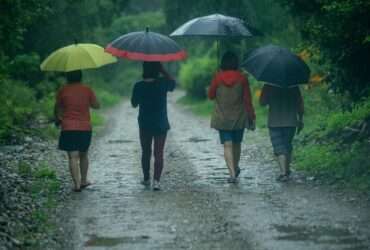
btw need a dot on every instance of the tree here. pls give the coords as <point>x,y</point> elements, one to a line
<point>339,30</point>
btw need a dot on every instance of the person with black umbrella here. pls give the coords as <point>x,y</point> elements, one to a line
<point>282,71</point>
<point>285,118</point>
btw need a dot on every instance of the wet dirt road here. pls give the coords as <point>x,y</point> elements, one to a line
<point>196,208</point>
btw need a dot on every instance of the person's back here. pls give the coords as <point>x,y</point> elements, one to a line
<point>285,117</point>
<point>76,100</point>
<point>151,96</point>
<point>233,110</point>
<point>230,111</point>
<point>284,105</point>
<point>72,110</point>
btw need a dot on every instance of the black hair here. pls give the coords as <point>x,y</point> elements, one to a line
<point>74,76</point>
<point>229,61</point>
<point>151,69</point>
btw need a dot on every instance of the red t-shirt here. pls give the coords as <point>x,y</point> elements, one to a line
<point>75,100</point>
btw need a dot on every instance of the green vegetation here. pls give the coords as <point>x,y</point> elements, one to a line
<point>338,31</point>
<point>332,37</point>
<point>196,74</point>
<point>196,105</point>
<point>43,190</point>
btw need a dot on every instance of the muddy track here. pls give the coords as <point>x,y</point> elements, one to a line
<point>196,208</point>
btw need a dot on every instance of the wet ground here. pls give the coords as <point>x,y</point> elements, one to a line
<point>197,208</point>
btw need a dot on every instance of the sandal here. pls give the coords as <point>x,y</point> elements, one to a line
<point>86,185</point>
<point>237,172</point>
<point>283,178</point>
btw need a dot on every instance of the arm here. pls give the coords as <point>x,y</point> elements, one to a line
<point>135,96</point>
<point>300,111</point>
<point>58,114</point>
<point>264,96</point>
<point>94,103</point>
<point>300,105</point>
<point>58,110</point>
<point>213,88</point>
<point>165,73</point>
<point>171,83</point>
<point>248,100</point>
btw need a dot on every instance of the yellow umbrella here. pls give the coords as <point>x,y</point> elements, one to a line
<point>77,56</point>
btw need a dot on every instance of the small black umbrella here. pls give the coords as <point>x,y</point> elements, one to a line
<point>216,25</point>
<point>146,46</point>
<point>277,66</point>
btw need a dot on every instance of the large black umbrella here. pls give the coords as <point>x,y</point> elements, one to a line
<point>277,66</point>
<point>216,25</point>
<point>146,46</point>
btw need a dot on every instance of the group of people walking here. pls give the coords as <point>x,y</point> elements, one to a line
<point>233,113</point>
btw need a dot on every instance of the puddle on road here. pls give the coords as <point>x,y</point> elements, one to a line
<point>100,241</point>
<point>197,139</point>
<point>119,141</point>
<point>318,234</point>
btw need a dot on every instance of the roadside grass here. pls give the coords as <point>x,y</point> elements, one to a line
<point>327,148</point>
<point>42,186</point>
<point>202,107</point>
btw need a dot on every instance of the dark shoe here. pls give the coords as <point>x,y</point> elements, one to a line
<point>283,178</point>
<point>237,172</point>
<point>146,183</point>
<point>232,180</point>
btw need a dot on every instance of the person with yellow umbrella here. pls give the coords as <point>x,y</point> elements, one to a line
<point>73,103</point>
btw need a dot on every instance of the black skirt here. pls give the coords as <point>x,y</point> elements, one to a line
<point>72,140</point>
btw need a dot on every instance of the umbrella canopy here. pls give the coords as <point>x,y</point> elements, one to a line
<point>277,66</point>
<point>146,46</point>
<point>76,57</point>
<point>216,25</point>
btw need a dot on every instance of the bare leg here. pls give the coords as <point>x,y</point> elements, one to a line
<point>229,158</point>
<point>236,154</point>
<point>84,167</point>
<point>74,168</point>
<point>284,167</point>
<point>289,160</point>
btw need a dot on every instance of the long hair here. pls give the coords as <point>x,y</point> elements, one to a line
<point>74,76</point>
<point>151,69</point>
<point>229,61</point>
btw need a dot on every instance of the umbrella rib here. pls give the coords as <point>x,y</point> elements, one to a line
<point>91,57</point>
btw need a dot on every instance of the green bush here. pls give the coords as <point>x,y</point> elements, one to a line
<point>17,109</point>
<point>359,113</point>
<point>196,75</point>
<point>348,163</point>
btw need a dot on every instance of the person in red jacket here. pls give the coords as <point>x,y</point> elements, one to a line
<point>233,110</point>
<point>72,112</point>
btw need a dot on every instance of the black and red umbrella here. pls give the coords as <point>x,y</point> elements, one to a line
<point>146,46</point>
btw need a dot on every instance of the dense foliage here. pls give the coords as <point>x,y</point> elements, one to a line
<point>29,31</point>
<point>339,30</point>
